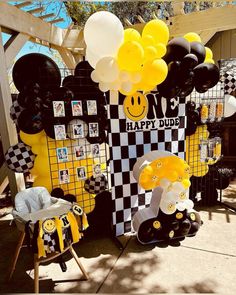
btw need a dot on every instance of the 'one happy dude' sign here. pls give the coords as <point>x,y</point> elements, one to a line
<point>151,111</point>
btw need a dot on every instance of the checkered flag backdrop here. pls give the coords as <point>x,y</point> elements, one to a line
<point>20,158</point>
<point>125,147</point>
<point>96,185</point>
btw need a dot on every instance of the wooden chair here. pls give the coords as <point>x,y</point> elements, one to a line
<point>37,261</point>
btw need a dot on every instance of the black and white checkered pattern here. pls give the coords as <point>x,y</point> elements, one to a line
<point>96,185</point>
<point>125,147</point>
<point>49,243</point>
<point>20,158</point>
<point>229,81</point>
<point>15,111</point>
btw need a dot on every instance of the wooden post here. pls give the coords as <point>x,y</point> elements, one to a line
<point>7,128</point>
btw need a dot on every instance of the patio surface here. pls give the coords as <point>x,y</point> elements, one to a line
<point>205,263</point>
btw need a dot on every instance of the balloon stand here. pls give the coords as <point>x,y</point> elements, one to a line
<point>205,114</point>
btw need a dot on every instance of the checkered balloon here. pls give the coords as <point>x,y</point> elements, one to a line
<point>96,185</point>
<point>15,111</point>
<point>229,82</point>
<point>20,158</point>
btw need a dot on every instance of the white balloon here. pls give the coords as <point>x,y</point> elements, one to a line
<point>136,78</point>
<point>180,206</point>
<point>107,69</point>
<point>115,85</point>
<point>124,76</point>
<point>189,204</point>
<point>230,105</point>
<point>103,33</point>
<point>92,58</point>
<point>177,187</point>
<point>164,182</point>
<point>126,86</point>
<point>104,87</point>
<point>94,76</point>
<point>167,207</point>
<point>170,197</point>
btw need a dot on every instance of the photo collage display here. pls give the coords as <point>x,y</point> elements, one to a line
<point>65,154</point>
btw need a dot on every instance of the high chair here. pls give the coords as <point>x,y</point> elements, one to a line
<point>35,204</point>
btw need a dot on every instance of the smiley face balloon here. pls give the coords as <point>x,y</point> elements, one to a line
<point>135,106</point>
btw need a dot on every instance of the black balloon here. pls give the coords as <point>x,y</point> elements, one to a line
<point>198,49</point>
<point>190,105</point>
<point>83,68</point>
<point>185,90</point>
<point>57,192</point>
<point>170,88</point>
<point>30,122</point>
<point>68,79</point>
<point>177,48</point>
<point>190,61</point>
<point>191,127</point>
<point>36,68</point>
<point>206,75</point>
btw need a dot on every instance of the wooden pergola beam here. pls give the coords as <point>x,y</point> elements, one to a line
<point>16,20</point>
<point>207,35</point>
<point>36,10</point>
<point>57,20</point>
<point>67,57</point>
<point>44,16</point>
<point>202,22</point>
<point>7,128</point>
<point>13,46</point>
<point>23,4</point>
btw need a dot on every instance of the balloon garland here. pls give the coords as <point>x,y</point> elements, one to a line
<point>128,61</point>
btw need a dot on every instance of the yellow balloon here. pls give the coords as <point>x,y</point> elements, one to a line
<point>209,61</point>
<point>209,53</point>
<point>131,35</point>
<point>148,40</point>
<point>191,37</point>
<point>186,183</point>
<point>155,71</point>
<point>43,181</point>
<point>150,53</point>
<point>42,165</point>
<point>130,56</point>
<point>34,172</point>
<point>161,50</point>
<point>158,30</point>
<point>31,139</point>
<point>142,86</point>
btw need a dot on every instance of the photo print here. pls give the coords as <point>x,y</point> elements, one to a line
<point>62,154</point>
<point>93,130</point>
<point>81,172</point>
<point>60,132</point>
<point>79,152</point>
<point>58,108</point>
<point>97,170</point>
<point>92,107</point>
<point>76,107</point>
<point>64,176</point>
<point>78,130</point>
<point>95,150</point>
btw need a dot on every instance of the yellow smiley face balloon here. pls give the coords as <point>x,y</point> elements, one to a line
<point>135,106</point>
